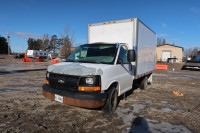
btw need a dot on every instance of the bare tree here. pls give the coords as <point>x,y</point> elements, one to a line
<point>159,41</point>
<point>45,40</point>
<point>54,44</point>
<point>164,42</point>
<point>66,42</point>
<point>195,51</point>
<point>190,52</point>
<point>187,52</point>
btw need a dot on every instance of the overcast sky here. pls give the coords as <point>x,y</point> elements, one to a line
<point>178,21</point>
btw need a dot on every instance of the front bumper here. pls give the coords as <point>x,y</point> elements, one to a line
<point>192,64</point>
<point>80,99</point>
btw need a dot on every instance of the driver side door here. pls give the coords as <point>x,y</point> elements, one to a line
<point>124,70</point>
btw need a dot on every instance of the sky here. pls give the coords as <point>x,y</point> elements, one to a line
<point>178,21</point>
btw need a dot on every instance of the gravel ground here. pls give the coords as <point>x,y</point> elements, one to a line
<point>23,108</point>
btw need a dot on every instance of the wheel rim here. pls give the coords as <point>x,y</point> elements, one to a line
<point>145,84</point>
<point>114,101</point>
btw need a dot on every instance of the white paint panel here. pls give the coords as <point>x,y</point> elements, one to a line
<point>121,32</point>
<point>146,49</point>
<point>166,55</point>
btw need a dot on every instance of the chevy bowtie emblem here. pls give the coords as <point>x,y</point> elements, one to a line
<point>61,81</point>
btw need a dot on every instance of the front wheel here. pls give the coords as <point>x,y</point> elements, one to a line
<point>111,103</point>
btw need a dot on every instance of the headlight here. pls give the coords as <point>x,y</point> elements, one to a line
<point>94,80</point>
<point>89,81</point>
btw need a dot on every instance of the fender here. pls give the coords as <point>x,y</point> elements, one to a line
<point>111,83</point>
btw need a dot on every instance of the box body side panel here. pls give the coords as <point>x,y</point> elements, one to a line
<point>146,49</point>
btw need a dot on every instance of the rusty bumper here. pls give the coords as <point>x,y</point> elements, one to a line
<point>79,99</point>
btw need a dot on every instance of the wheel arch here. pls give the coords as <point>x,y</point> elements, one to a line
<point>113,84</point>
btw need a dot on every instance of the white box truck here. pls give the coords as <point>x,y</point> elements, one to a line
<point>39,53</point>
<point>119,54</point>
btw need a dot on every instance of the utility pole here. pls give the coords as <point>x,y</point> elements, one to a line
<point>8,38</point>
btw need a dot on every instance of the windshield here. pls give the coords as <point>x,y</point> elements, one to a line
<point>94,53</point>
<point>198,57</point>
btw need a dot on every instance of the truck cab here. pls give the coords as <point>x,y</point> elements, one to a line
<point>196,58</point>
<point>89,75</point>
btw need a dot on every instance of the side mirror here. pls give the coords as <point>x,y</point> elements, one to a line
<point>131,55</point>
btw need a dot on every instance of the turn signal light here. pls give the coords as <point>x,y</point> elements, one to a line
<point>47,82</point>
<point>97,88</point>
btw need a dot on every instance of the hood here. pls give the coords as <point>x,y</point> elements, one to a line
<point>77,68</point>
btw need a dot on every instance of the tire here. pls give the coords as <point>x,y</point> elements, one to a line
<point>112,101</point>
<point>150,79</point>
<point>144,84</point>
<point>183,68</point>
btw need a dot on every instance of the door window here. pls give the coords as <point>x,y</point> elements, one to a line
<point>123,54</point>
<point>174,60</point>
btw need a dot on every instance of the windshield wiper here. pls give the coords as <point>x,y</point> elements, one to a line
<point>71,61</point>
<point>90,61</point>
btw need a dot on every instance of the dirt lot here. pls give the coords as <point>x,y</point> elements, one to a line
<point>24,109</point>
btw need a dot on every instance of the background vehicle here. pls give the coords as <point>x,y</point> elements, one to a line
<point>118,55</point>
<point>18,55</point>
<point>39,53</point>
<point>193,63</point>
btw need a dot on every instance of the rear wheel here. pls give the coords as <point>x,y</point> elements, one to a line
<point>111,103</point>
<point>144,84</point>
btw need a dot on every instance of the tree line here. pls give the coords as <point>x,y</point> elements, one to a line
<point>190,52</point>
<point>161,41</point>
<point>4,45</point>
<point>54,44</point>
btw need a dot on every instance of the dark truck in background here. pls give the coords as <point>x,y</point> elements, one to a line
<point>194,63</point>
<point>18,55</point>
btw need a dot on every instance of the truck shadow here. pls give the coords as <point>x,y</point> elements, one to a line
<point>139,125</point>
<point>128,93</point>
<point>4,71</point>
